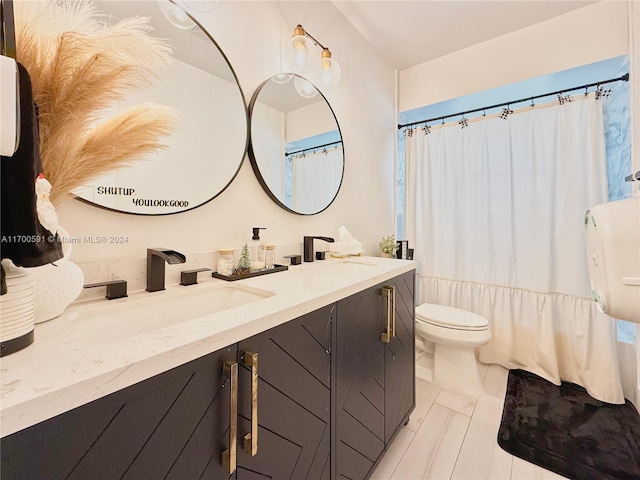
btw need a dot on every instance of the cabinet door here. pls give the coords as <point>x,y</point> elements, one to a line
<point>399,358</point>
<point>294,363</point>
<point>359,384</point>
<point>173,425</point>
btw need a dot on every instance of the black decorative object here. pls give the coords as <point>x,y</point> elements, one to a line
<point>252,273</point>
<point>602,93</point>
<point>506,112</point>
<point>563,429</point>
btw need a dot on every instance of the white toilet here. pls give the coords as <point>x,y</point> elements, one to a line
<point>445,348</point>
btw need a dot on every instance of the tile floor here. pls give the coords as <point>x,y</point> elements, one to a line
<point>453,436</point>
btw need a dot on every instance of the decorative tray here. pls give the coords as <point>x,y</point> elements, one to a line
<point>253,273</point>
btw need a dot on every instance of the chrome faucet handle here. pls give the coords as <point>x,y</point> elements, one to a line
<point>115,288</point>
<point>190,277</point>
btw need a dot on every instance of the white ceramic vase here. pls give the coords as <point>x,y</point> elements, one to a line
<point>57,284</point>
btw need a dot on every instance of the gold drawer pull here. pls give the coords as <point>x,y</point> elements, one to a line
<point>388,293</point>
<point>229,459</point>
<point>250,359</point>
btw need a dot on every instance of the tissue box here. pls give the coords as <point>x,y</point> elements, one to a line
<point>343,248</point>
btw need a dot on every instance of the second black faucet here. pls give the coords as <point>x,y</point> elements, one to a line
<point>308,246</point>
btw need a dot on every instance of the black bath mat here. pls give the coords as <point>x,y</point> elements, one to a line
<point>566,431</point>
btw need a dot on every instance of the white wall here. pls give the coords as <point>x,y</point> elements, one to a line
<point>580,37</point>
<point>251,34</point>
<point>309,121</point>
<point>270,141</point>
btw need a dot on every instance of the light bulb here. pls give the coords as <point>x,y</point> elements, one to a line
<point>200,6</point>
<point>327,70</point>
<point>282,77</point>
<point>299,52</point>
<point>304,87</point>
<point>176,15</point>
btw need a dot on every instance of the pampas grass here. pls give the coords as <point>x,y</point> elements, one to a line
<point>81,66</point>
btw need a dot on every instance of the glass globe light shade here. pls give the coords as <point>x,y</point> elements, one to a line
<point>304,87</point>
<point>282,77</point>
<point>299,53</point>
<point>327,71</point>
<point>176,15</point>
<point>200,6</point>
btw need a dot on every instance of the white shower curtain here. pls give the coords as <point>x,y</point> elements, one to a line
<point>315,180</point>
<point>498,228</point>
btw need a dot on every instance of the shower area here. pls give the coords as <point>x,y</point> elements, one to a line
<point>493,195</point>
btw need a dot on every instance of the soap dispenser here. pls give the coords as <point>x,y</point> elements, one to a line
<point>257,249</point>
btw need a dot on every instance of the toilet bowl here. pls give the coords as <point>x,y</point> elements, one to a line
<point>447,340</point>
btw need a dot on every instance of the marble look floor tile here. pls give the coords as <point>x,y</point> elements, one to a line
<point>426,395</point>
<point>393,456</point>
<point>457,402</point>
<point>523,470</point>
<point>495,381</point>
<point>433,450</point>
<point>480,456</point>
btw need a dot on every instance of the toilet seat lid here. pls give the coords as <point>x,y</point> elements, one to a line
<point>450,317</point>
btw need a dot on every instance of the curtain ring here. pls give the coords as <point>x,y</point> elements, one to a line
<point>532,104</point>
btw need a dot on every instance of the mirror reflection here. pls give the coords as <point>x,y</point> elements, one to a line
<point>206,151</point>
<point>296,146</point>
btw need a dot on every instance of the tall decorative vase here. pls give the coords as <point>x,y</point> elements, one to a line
<point>57,284</point>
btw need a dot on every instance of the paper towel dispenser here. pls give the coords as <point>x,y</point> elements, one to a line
<point>613,247</point>
<point>9,106</point>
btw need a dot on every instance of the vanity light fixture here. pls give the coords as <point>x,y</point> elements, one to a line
<point>304,87</point>
<point>175,11</point>
<point>301,54</point>
<point>282,77</point>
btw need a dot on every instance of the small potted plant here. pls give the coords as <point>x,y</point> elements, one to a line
<point>388,246</point>
<point>244,264</point>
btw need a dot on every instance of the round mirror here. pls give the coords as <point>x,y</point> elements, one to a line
<point>206,151</point>
<point>296,145</point>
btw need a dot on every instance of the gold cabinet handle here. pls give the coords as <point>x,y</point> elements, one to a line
<point>393,312</point>
<point>388,293</point>
<point>250,359</point>
<point>229,458</point>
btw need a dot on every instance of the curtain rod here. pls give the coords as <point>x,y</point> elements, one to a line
<point>313,148</point>
<point>624,78</point>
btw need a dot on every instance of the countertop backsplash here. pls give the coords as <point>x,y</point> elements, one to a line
<point>134,270</point>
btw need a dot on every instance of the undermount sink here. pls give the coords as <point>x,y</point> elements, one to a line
<point>152,312</point>
<point>344,267</point>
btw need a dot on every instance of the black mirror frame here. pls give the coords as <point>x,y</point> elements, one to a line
<point>244,152</point>
<point>254,162</point>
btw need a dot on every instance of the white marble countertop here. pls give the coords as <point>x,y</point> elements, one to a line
<point>66,367</point>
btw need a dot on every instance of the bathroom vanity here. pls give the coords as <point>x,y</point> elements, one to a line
<point>312,378</point>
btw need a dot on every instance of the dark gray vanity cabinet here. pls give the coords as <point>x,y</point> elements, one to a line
<point>174,425</point>
<point>331,395</point>
<point>294,363</point>
<point>374,388</point>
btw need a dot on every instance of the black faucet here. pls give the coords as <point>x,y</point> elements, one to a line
<point>156,257</point>
<point>308,246</point>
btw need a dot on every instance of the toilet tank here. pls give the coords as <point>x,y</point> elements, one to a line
<point>613,247</point>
